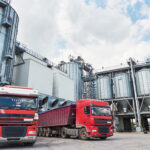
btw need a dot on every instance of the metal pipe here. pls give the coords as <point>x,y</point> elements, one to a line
<point>135,94</point>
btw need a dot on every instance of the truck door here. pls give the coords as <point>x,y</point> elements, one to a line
<point>83,116</point>
<point>86,116</point>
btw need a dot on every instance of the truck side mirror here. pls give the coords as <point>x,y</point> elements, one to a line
<point>87,110</point>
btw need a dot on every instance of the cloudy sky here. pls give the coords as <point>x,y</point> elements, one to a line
<point>103,32</point>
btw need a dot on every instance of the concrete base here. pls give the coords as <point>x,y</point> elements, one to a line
<point>138,129</point>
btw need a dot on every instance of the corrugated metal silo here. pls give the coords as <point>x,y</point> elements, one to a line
<point>122,89</point>
<point>143,86</point>
<point>122,86</point>
<point>104,87</point>
<point>143,82</point>
<point>74,71</point>
<point>8,32</point>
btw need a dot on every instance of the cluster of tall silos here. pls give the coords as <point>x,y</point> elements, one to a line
<point>120,86</point>
<point>8,32</point>
<point>116,87</point>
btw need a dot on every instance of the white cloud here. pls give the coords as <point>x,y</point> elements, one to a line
<point>104,37</point>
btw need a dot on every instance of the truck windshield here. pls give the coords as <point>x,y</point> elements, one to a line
<point>18,103</point>
<point>100,111</point>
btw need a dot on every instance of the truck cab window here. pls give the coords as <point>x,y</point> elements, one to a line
<point>87,110</point>
<point>18,103</point>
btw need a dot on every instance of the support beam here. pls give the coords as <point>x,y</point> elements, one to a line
<point>139,128</point>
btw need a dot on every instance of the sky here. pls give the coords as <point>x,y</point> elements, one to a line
<point>104,32</point>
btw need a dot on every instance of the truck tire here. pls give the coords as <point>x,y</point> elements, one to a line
<point>37,131</point>
<point>63,133</point>
<point>44,132</point>
<point>47,134</point>
<point>83,134</point>
<point>40,131</point>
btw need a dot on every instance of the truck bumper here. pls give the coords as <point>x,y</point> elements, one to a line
<point>26,139</point>
<point>94,132</point>
<point>98,135</point>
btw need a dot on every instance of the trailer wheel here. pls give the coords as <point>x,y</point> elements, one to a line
<point>47,132</point>
<point>63,133</point>
<point>43,132</point>
<point>83,134</point>
<point>37,131</point>
<point>40,132</point>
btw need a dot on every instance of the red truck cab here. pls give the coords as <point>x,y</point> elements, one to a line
<point>94,118</point>
<point>18,114</point>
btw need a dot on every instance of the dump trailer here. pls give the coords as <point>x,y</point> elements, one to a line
<point>18,115</point>
<point>87,118</point>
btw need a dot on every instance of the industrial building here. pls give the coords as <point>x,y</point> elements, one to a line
<point>35,71</point>
<point>126,88</point>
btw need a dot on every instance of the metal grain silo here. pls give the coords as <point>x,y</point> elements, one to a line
<point>143,86</point>
<point>122,89</point>
<point>143,82</point>
<point>104,90</point>
<point>8,32</point>
<point>122,86</point>
<point>75,73</point>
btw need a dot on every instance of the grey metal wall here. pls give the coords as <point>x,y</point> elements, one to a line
<point>34,75</point>
<point>74,71</point>
<point>104,87</point>
<point>143,82</point>
<point>8,32</point>
<point>63,86</point>
<point>122,86</point>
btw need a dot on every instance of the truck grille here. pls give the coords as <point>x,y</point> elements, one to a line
<point>100,121</point>
<point>17,115</point>
<point>14,131</point>
<point>103,129</point>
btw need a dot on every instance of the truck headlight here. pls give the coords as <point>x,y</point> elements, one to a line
<point>94,130</point>
<point>108,121</point>
<point>28,119</point>
<point>32,132</point>
<point>36,116</point>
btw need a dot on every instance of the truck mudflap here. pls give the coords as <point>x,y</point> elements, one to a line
<point>26,139</point>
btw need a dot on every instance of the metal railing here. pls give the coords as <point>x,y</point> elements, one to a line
<point>34,54</point>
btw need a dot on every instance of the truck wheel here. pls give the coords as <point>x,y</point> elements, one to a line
<point>40,132</point>
<point>63,133</point>
<point>44,132</point>
<point>47,132</point>
<point>83,134</point>
<point>37,131</point>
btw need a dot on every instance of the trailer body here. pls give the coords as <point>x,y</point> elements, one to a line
<point>64,116</point>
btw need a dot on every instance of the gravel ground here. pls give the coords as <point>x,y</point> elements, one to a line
<point>120,141</point>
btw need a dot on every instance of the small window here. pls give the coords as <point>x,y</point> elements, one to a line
<point>87,110</point>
